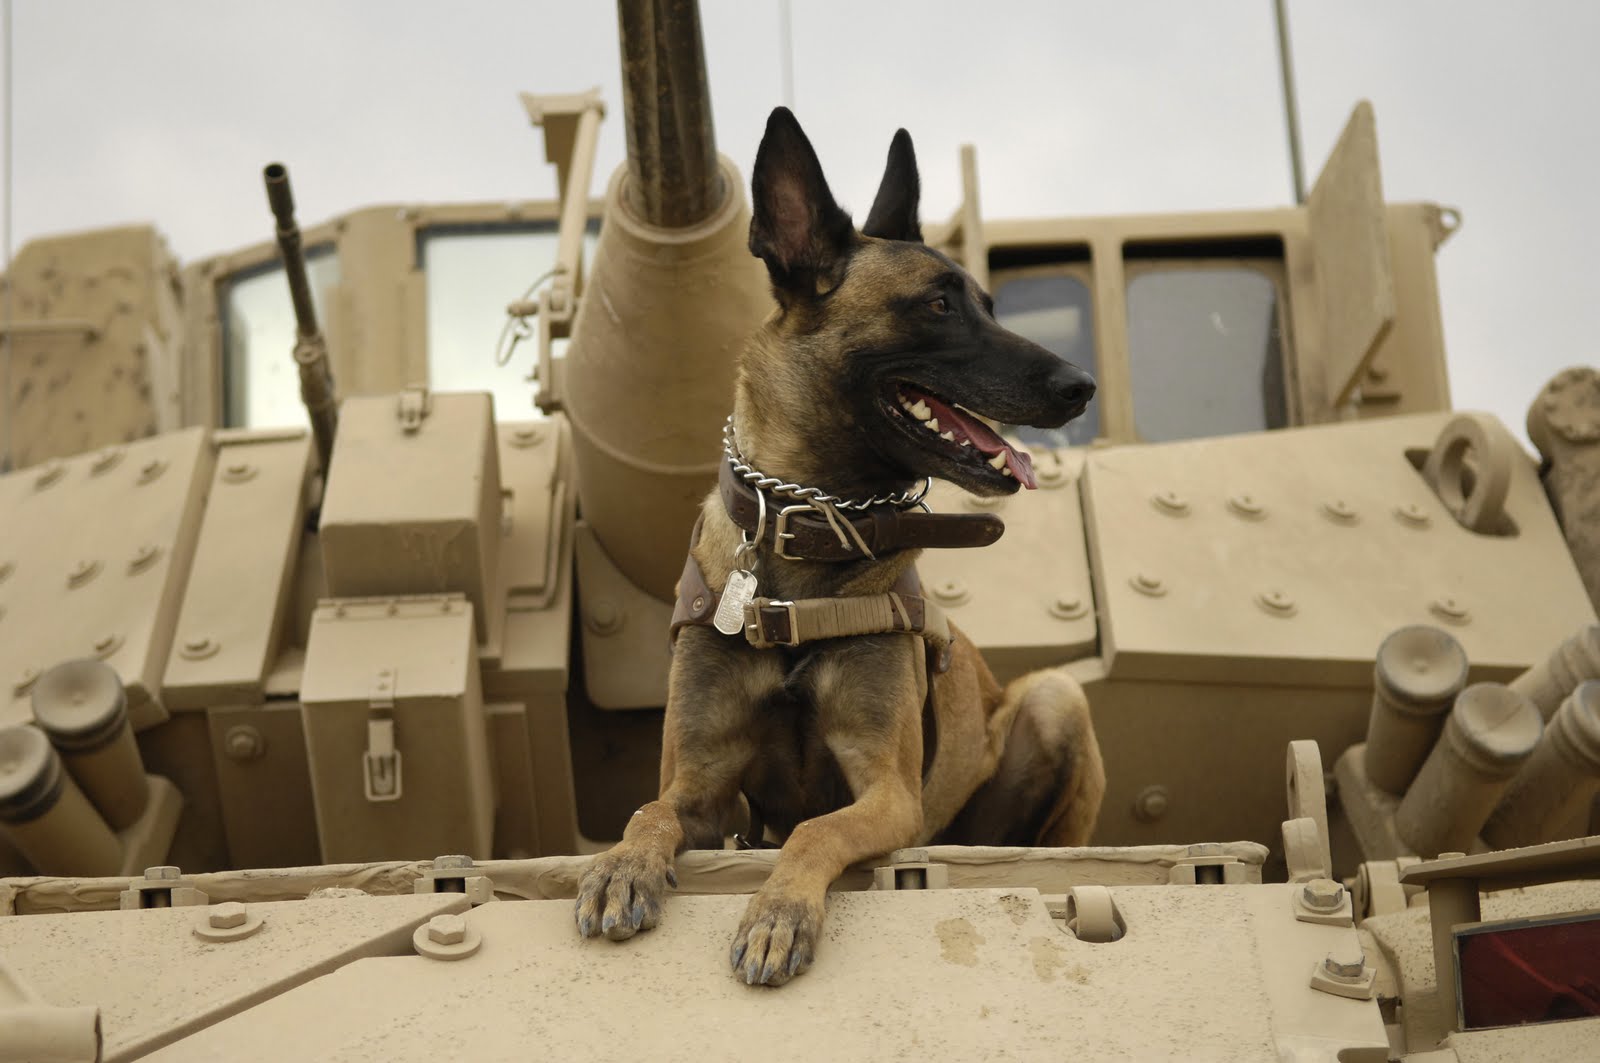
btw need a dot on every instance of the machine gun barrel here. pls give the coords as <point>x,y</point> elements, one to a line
<point>674,180</point>
<point>310,349</point>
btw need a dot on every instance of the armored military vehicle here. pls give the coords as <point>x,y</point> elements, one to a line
<point>313,705</point>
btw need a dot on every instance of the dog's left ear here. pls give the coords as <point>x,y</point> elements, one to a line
<point>894,212</point>
<point>795,226</point>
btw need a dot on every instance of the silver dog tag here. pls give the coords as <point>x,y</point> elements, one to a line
<point>740,592</point>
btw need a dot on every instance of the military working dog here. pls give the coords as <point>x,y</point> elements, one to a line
<point>871,375</point>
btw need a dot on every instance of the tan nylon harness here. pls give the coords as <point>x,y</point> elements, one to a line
<point>771,622</point>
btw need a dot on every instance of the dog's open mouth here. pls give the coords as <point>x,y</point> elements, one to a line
<point>956,434</point>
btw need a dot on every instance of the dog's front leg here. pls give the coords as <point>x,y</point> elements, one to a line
<point>871,720</point>
<point>707,744</point>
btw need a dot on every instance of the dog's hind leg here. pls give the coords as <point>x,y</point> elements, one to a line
<point>707,744</point>
<point>1048,785</point>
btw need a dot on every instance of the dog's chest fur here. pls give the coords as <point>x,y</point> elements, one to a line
<point>794,776</point>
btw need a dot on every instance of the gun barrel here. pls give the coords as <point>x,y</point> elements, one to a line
<point>281,199</point>
<point>674,179</point>
<point>310,350</point>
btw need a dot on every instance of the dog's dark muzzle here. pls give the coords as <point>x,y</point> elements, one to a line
<point>1068,390</point>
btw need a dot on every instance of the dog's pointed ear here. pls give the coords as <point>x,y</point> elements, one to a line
<point>894,211</point>
<point>795,226</point>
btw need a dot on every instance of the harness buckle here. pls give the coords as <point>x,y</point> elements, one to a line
<point>755,631</point>
<point>781,534</point>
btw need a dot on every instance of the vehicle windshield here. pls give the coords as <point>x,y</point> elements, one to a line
<point>1205,353</point>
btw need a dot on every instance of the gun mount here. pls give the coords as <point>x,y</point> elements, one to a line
<point>674,292</point>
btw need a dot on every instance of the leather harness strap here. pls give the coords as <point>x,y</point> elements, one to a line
<point>770,622</point>
<point>801,532</point>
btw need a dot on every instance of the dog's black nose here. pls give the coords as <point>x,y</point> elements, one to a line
<point>1071,385</point>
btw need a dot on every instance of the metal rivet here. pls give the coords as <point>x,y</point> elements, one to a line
<point>244,742</point>
<point>1246,506</point>
<point>698,604</point>
<point>1323,894</point>
<point>107,460</point>
<point>198,648</point>
<point>82,572</point>
<point>107,644</point>
<point>951,591</point>
<point>1148,583</point>
<point>1170,503</point>
<point>1276,602</point>
<point>1339,511</point>
<point>1151,804</point>
<point>528,436</point>
<point>1413,515</point>
<point>1068,607</point>
<point>603,616</point>
<point>143,558</point>
<point>151,470</point>
<point>447,929</point>
<point>453,862</point>
<point>227,915</point>
<point>1450,610</point>
<point>49,473</point>
<point>238,472</point>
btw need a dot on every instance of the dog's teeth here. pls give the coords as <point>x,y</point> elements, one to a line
<point>950,436</point>
<point>1006,471</point>
<point>998,461</point>
<point>966,442</point>
<point>920,411</point>
<point>932,423</point>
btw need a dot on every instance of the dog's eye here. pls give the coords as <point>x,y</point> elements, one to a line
<point>939,305</point>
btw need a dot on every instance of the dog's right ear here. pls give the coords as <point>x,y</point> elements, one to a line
<point>795,226</point>
<point>894,212</point>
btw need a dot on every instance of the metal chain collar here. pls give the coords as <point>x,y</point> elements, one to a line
<point>814,495</point>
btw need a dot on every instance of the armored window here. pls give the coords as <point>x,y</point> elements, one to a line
<point>1051,306</point>
<point>473,273</point>
<point>1205,351</point>
<point>260,383</point>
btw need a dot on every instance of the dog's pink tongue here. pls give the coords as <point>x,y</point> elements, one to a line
<point>984,438</point>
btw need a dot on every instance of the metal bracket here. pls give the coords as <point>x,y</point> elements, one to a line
<point>161,887</point>
<point>910,869</point>
<point>381,763</point>
<point>1207,865</point>
<point>455,874</point>
<point>414,406</point>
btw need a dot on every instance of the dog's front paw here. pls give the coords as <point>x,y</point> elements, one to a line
<point>777,938</point>
<point>620,894</point>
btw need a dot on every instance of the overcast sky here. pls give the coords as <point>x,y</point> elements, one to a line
<point>166,112</point>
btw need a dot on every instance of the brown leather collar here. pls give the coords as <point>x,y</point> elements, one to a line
<point>795,530</point>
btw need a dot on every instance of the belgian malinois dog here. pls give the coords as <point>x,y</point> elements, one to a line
<point>872,374</point>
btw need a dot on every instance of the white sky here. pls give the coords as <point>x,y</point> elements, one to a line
<point>166,112</point>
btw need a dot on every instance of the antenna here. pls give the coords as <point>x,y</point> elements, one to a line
<point>5,267</point>
<point>1291,108</point>
<point>785,49</point>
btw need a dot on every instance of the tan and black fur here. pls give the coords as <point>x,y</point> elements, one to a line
<point>827,739</point>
